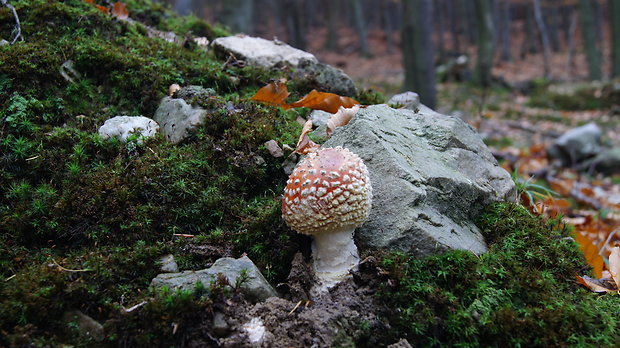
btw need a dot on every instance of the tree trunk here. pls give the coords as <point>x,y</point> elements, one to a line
<point>418,51</point>
<point>294,19</point>
<point>529,44</point>
<point>388,25</point>
<point>332,25</point>
<point>238,15</point>
<point>471,27</point>
<point>570,43</point>
<point>454,17</point>
<point>485,42</point>
<point>614,6</point>
<point>360,26</point>
<point>439,20</point>
<point>505,30</point>
<point>588,30</point>
<point>552,27</point>
<point>542,29</point>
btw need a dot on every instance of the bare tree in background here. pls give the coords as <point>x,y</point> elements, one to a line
<point>504,29</point>
<point>614,6</point>
<point>484,17</point>
<point>588,30</point>
<point>360,25</point>
<point>542,29</point>
<point>418,49</point>
<point>332,25</point>
<point>238,15</point>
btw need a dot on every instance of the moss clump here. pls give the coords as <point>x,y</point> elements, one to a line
<point>522,292</point>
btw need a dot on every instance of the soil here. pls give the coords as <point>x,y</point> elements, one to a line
<point>338,318</point>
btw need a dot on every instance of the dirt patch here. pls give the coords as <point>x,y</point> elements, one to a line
<point>343,317</point>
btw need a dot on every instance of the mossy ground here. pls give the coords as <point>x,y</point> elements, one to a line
<point>520,293</point>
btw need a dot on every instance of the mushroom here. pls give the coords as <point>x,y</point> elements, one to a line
<point>327,196</point>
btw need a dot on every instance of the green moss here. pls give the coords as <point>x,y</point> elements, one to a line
<point>522,292</point>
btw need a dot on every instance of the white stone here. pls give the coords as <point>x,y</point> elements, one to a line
<point>121,127</point>
<point>260,52</point>
<point>255,329</point>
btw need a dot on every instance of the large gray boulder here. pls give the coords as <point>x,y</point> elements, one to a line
<point>259,52</point>
<point>431,176</point>
<point>177,118</point>
<point>256,287</point>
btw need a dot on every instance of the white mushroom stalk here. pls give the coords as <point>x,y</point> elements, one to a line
<point>328,195</point>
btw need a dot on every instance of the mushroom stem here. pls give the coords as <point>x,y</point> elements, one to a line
<point>334,254</point>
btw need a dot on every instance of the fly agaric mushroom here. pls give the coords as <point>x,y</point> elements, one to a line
<point>327,196</point>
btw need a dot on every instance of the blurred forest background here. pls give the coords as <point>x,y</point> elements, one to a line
<point>510,42</point>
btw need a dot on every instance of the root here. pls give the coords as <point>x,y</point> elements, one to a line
<point>18,28</point>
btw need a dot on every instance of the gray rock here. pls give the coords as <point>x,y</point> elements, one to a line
<point>268,54</point>
<point>194,92</point>
<point>220,325</point>
<point>168,264</point>
<point>328,78</point>
<point>87,326</point>
<point>274,149</point>
<point>121,127</point>
<point>408,100</point>
<point>260,52</point>
<point>256,287</point>
<point>178,119</point>
<point>289,163</point>
<point>606,162</point>
<point>4,42</point>
<point>431,176</point>
<point>319,117</point>
<point>402,343</point>
<point>577,145</point>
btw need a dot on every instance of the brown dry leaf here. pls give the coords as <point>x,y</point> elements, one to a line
<point>324,101</point>
<point>597,285</point>
<point>590,252</point>
<point>614,265</point>
<point>274,93</point>
<point>119,10</point>
<point>341,118</point>
<point>90,1</point>
<point>305,145</point>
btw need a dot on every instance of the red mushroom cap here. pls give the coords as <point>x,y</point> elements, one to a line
<point>328,190</point>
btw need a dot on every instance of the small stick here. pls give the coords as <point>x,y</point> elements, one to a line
<point>69,270</point>
<point>18,27</point>
<point>294,308</point>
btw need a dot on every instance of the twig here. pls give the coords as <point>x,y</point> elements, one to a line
<point>18,28</point>
<point>69,270</point>
<point>294,308</point>
<point>11,277</point>
<point>133,308</point>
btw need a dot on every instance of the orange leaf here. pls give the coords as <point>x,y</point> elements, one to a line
<point>90,1</point>
<point>324,101</point>
<point>273,93</point>
<point>120,10</point>
<point>590,252</point>
<point>103,9</point>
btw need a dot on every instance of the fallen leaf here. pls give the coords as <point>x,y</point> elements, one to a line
<point>305,145</point>
<point>614,265</point>
<point>591,253</point>
<point>119,10</point>
<point>341,118</point>
<point>274,93</point>
<point>90,1</point>
<point>324,101</point>
<point>103,9</point>
<point>597,285</point>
